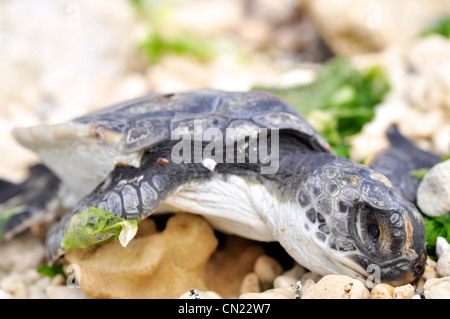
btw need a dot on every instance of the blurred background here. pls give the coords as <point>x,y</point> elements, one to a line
<point>352,67</point>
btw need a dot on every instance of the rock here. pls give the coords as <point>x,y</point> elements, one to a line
<point>433,194</point>
<point>14,285</point>
<point>38,289</point>
<point>201,295</point>
<point>441,246</point>
<point>437,288</point>
<point>276,293</point>
<point>250,283</point>
<point>153,265</point>
<point>306,284</point>
<point>228,265</point>
<point>382,291</point>
<point>21,253</point>
<point>64,292</point>
<point>296,271</point>
<point>403,292</point>
<point>58,280</point>
<point>310,276</point>
<point>354,27</point>
<point>337,287</point>
<point>443,264</point>
<point>286,282</point>
<point>267,269</point>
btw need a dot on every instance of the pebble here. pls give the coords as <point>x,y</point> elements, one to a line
<point>437,288</point>
<point>441,246</point>
<point>403,292</point>
<point>382,291</point>
<point>64,292</point>
<point>443,265</point>
<point>14,285</point>
<point>310,276</point>
<point>23,252</point>
<point>337,287</point>
<point>285,282</point>
<point>58,280</point>
<point>267,269</point>
<point>276,293</point>
<point>250,283</point>
<point>201,295</point>
<point>306,284</point>
<point>433,194</point>
<point>230,264</point>
<point>38,290</point>
<point>296,271</point>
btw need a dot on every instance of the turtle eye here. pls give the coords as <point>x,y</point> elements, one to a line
<point>368,228</point>
<point>373,232</point>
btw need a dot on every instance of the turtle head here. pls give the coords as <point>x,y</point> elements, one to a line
<point>363,226</point>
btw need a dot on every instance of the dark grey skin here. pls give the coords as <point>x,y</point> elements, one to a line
<point>331,215</point>
<point>30,201</point>
<point>399,160</point>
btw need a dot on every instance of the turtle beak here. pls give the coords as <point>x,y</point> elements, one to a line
<point>401,256</point>
<point>410,266</point>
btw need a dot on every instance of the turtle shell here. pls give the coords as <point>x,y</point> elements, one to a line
<point>85,150</point>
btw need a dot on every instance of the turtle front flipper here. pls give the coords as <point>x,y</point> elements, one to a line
<point>127,194</point>
<point>32,201</point>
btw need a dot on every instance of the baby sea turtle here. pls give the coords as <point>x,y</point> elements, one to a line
<point>247,162</point>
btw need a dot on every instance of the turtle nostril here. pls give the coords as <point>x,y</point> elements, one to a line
<point>418,268</point>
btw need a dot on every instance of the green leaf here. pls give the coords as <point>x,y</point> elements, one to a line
<point>441,27</point>
<point>434,227</point>
<point>420,173</point>
<point>96,226</point>
<point>156,45</point>
<point>50,271</point>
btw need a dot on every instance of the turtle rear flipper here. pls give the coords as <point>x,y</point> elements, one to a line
<point>399,160</point>
<point>26,204</point>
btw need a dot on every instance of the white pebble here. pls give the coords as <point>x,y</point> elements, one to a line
<point>21,253</point>
<point>382,291</point>
<point>14,286</point>
<point>285,282</point>
<point>441,246</point>
<point>310,276</point>
<point>58,280</point>
<point>267,269</point>
<point>337,287</point>
<point>250,283</point>
<point>443,264</point>
<point>295,272</point>
<point>433,194</point>
<point>403,292</point>
<point>276,293</point>
<point>202,294</point>
<point>64,292</point>
<point>437,288</point>
<point>38,289</point>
